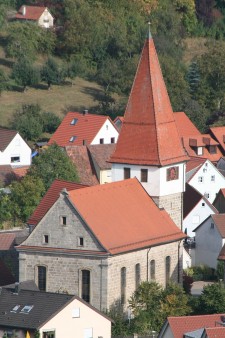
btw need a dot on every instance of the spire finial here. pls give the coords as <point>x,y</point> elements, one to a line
<point>149,31</point>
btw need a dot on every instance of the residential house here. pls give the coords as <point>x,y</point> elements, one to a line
<point>100,237</point>
<point>38,14</point>
<point>79,129</point>
<point>14,150</point>
<point>196,209</point>
<point>218,133</point>
<point>26,312</point>
<point>108,238</point>
<point>219,202</point>
<point>207,180</point>
<point>49,199</point>
<point>202,326</point>
<point>197,145</point>
<point>209,239</point>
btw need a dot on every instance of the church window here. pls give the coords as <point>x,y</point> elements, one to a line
<point>137,275</point>
<point>42,275</point>
<point>126,172</point>
<point>168,266</point>
<point>144,175</point>
<point>86,285</point>
<point>123,285</point>
<point>101,141</point>
<point>152,269</point>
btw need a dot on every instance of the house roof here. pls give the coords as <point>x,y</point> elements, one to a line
<point>190,199</point>
<point>123,216</point>
<point>149,133</point>
<point>101,154</point>
<point>215,332</point>
<point>185,126</point>
<point>6,276</point>
<point>219,134</point>
<point>7,241</point>
<point>180,325</point>
<point>82,126</point>
<point>6,136</point>
<point>194,163</point>
<point>49,199</point>
<point>32,13</point>
<point>219,220</point>
<point>81,158</point>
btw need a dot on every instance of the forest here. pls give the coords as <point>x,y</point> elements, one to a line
<point>101,40</point>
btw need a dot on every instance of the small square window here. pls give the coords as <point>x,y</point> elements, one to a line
<point>203,204</point>
<point>80,241</point>
<point>15,159</point>
<point>73,122</point>
<point>112,139</point>
<point>213,178</point>
<point>101,141</point>
<point>63,220</point>
<point>73,138</point>
<point>144,175</point>
<point>126,172</point>
<point>46,239</point>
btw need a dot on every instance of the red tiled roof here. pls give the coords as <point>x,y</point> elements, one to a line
<point>219,134</point>
<point>83,163</point>
<point>6,136</point>
<point>85,128</point>
<point>21,171</point>
<point>215,332</point>
<point>32,13</point>
<point>184,125</point>
<point>50,197</point>
<point>194,163</point>
<point>7,241</point>
<point>181,325</point>
<point>222,254</point>
<point>101,154</point>
<point>123,216</point>
<point>149,134</point>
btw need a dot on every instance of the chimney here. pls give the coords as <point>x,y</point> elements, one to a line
<point>16,290</point>
<point>24,10</point>
<point>85,111</point>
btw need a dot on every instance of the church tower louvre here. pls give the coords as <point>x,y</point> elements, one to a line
<point>149,146</point>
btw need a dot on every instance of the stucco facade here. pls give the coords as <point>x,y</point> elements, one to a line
<point>17,153</point>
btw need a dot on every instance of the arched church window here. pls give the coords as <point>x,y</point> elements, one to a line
<point>168,267</point>
<point>42,277</point>
<point>123,285</point>
<point>137,275</point>
<point>152,269</point>
<point>86,285</point>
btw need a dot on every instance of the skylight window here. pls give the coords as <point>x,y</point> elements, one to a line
<point>73,122</point>
<point>73,138</point>
<point>27,308</point>
<point>15,309</point>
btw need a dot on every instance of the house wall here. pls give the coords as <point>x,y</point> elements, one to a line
<point>65,325</point>
<point>208,244</point>
<point>219,203</point>
<point>106,132</point>
<point>196,216</point>
<point>208,186</point>
<point>167,333</point>
<point>105,176</point>
<point>16,148</point>
<point>46,19</point>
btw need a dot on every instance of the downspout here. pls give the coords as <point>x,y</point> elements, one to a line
<point>100,305</point>
<point>148,264</point>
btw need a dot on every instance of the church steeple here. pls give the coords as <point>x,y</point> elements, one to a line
<point>149,135</point>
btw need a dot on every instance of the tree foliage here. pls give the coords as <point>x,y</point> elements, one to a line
<point>53,163</point>
<point>212,299</point>
<point>51,73</point>
<point>25,74</point>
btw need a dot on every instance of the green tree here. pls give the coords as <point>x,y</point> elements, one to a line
<point>212,299</point>
<point>3,81</point>
<point>25,74</point>
<point>175,301</point>
<point>50,122</point>
<point>28,122</point>
<point>51,73</point>
<point>25,196</point>
<point>5,208</point>
<point>51,164</point>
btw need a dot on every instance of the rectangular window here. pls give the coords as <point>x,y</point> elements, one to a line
<point>15,159</point>
<point>199,150</point>
<point>101,141</point>
<point>144,175</point>
<point>200,179</point>
<point>76,312</point>
<point>206,194</point>
<point>80,241</point>
<point>203,204</point>
<point>212,149</point>
<point>213,178</point>
<point>86,285</point>
<point>112,139</point>
<point>46,239</point>
<point>42,278</point>
<point>212,226</point>
<point>73,138</point>
<point>63,220</point>
<point>126,172</point>
<point>49,334</point>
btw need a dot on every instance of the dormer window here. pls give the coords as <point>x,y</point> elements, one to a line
<point>73,122</point>
<point>73,138</point>
<point>199,150</point>
<point>212,149</point>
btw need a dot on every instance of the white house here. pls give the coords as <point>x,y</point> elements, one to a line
<point>79,129</point>
<point>14,150</point>
<point>207,180</point>
<point>38,14</point>
<point>50,314</point>
<point>196,209</point>
<point>209,239</point>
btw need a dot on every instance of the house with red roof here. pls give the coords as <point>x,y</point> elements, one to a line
<point>77,129</point>
<point>39,14</point>
<point>209,239</point>
<point>207,180</point>
<point>218,133</point>
<point>14,151</point>
<point>202,326</point>
<point>219,202</point>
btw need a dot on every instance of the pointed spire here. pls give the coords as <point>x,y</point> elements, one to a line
<point>149,134</point>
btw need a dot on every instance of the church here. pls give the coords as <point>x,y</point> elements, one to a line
<point>101,242</point>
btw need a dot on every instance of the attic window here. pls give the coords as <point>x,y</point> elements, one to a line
<point>112,139</point>
<point>16,308</point>
<point>73,122</point>
<point>203,204</point>
<point>199,150</point>
<point>27,308</point>
<point>63,220</point>
<point>15,159</point>
<point>212,149</point>
<point>46,239</point>
<point>73,138</point>
<point>80,241</point>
